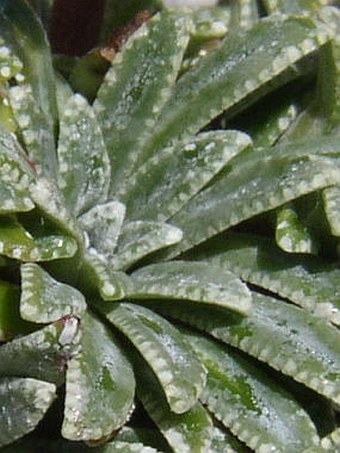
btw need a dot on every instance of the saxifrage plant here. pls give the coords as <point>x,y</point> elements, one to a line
<point>169,244</point>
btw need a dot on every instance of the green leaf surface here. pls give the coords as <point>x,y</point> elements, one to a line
<point>307,281</point>
<point>103,223</point>
<point>18,243</point>
<point>44,299</point>
<point>24,33</point>
<point>328,443</point>
<point>16,176</point>
<point>11,324</point>
<point>140,238</point>
<point>164,184</point>
<point>236,75</point>
<point>98,274</point>
<point>42,354</point>
<point>331,202</point>
<point>285,337</point>
<point>253,406</point>
<point>258,180</point>
<point>291,234</point>
<point>223,440</point>
<point>163,348</point>
<point>47,196</point>
<point>84,166</point>
<point>199,282</point>
<point>23,404</point>
<point>186,432</point>
<point>244,15</point>
<point>136,88</point>
<point>99,385</point>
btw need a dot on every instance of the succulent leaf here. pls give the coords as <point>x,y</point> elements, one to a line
<point>20,244</point>
<point>197,282</point>
<point>135,89</point>
<point>84,166</point>
<point>163,348</point>
<point>140,238</point>
<point>190,431</point>
<point>99,385</point>
<point>301,345</point>
<point>44,299</point>
<point>165,183</point>
<point>240,69</point>
<point>25,35</point>
<point>42,354</point>
<point>251,404</point>
<point>257,181</point>
<point>24,402</point>
<point>308,282</point>
<point>331,198</point>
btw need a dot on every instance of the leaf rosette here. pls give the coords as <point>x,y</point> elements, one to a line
<point>167,265</point>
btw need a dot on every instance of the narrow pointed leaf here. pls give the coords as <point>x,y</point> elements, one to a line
<point>291,234</point>
<point>140,238</point>
<point>301,345</point>
<point>103,223</point>
<point>331,198</point>
<point>18,243</point>
<point>162,346</point>
<point>241,70</point>
<point>44,299</point>
<point>11,323</point>
<point>199,282</point>
<point>258,181</point>
<point>253,406</point>
<point>16,176</point>
<point>99,385</point>
<point>84,166</point>
<point>97,274</point>
<point>168,180</point>
<point>136,88</point>
<point>244,14</point>
<point>305,280</point>
<point>186,432</point>
<point>42,354</point>
<point>28,40</point>
<point>23,403</point>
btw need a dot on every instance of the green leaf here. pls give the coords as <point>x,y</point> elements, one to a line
<point>285,337</point>
<point>240,71</point>
<point>252,405</point>
<point>136,88</point>
<point>24,403</point>
<point>223,440</point>
<point>162,346</point>
<point>244,15</point>
<point>199,282</point>
<point>11,324</point>
<point>140,238</point>
<point>23,32</point>
<point>47,196</point>
<point>327,443</point>
<point>331,202</point>
<point>44,299</point>
<point>42,354</point>
<point>186,432</point>
<point>84,166</point>
<point>258,180</point>
<point>103,223</point>
<point>291,234</point>
<point>164,184</point>
<point>18,243</point>
<point>97,274</point>
<point>307,281</point>
<point>99,385</point>
<point>16,176</point>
